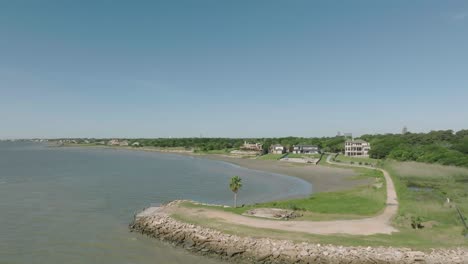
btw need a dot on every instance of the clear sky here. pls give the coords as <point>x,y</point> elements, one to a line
<point>231,68</point>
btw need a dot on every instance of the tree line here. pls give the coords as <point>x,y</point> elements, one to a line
<point>444,146</point>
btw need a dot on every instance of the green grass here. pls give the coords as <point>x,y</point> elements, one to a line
<point>346,159</point>
<point>441,182</point>
<point>417,239</point>
<point>360,201</point>
<point>293,155</point>
<point>215,151</point>
<point>271,156</point>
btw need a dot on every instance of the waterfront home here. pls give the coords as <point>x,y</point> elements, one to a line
<point>277,149</point>
<point>113,142</point>
<point>135,144</point>
<point>357,148</point>
<point>252,146</point>
<point>306,149</point>
<point>123,143</point>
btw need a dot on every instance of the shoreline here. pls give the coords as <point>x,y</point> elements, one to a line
<point>157,222</point>
<point>322,178</point>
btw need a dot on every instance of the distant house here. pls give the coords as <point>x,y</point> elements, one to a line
<point>252,146</point>
<point>123,143</point>
<point>113,142</point>
<point>306,149</point>
<point>357,148</point>
<point>135,144</point>
<point>277,149</point>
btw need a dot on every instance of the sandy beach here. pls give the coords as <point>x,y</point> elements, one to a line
<point>323,178</point>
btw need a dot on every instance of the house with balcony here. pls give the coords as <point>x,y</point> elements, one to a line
<point>357,148</point>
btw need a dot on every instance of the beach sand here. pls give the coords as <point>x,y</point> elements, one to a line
<point>323,178</point>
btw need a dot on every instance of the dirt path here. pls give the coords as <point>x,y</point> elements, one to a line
<point>380,224</point>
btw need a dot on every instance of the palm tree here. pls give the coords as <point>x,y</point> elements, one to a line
<point>235,185</point>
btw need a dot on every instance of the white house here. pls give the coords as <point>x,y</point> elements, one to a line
<point>277,149</point>
<point>357,148</point>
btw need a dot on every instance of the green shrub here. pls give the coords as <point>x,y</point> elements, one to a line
<point>416,222</point>
<point>293,207</point>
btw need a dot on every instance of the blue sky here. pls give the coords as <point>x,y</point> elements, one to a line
<point>231,68</point>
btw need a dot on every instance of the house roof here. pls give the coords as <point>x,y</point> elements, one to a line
<point>306,146</point>
<point>357,141</point>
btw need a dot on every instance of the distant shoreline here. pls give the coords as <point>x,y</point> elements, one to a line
<point>322,178</point>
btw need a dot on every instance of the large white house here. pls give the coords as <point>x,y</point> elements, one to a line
<point>357,148</point>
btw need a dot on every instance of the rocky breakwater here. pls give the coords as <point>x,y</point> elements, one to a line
<point>157,222</point>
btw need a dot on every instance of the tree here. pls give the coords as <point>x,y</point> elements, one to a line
<point>235,185</point>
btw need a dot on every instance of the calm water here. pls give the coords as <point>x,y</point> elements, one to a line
<point>72,205</point>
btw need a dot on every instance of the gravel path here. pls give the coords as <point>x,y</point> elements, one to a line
<point>380,224</point>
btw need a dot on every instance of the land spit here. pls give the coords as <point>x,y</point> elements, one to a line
<point>157,222</point>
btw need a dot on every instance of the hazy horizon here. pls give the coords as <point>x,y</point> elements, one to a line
<point>244,69</point>
<point>201,136</point>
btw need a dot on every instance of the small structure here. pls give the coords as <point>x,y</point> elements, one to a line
<point>357,148</point>
<point>306,149</point>
<point>135,144</point>
<point>252,146</point>
<point>123,143</point>
<point>277,149</point>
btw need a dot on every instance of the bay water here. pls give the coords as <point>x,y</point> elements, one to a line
<point>73,205</point>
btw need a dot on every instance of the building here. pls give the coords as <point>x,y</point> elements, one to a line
<point>404,130</point>
<point>252,146</point>
<point>306,149</point>
<point>123,143</point>
<point>357,148</point>
<point>135,144</point>
<point>277,149</point>
<point>113,142</point>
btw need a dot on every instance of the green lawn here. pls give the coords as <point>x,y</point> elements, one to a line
<point>271,156</point>
<point>293,155</point>
<point>346,159</point>
<point>215,151</point>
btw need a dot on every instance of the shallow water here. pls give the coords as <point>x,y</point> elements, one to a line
<point>73,205</point>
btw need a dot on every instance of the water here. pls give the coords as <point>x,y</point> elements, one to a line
<point>73,205</point>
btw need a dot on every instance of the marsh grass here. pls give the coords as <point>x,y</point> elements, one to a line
<point>441,182</point>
